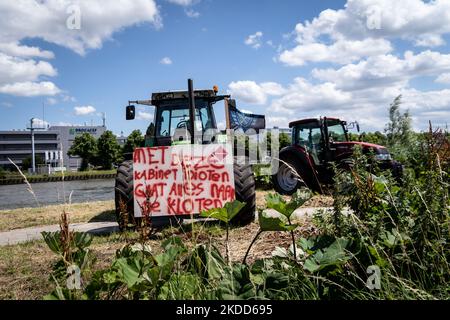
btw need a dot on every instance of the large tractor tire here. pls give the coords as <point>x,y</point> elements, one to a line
<point>245,188</point>
<point>124,193</point>
<point>293,174</point>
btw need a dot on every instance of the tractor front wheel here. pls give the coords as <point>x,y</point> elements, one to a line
<point>245,188</point>
<point>124,194</point>
<point>288,178</point>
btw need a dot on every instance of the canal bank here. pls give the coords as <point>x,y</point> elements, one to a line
<point>60,192</point>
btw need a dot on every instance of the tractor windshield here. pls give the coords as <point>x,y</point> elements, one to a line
<point>175,117</point>
<point>336,131</point>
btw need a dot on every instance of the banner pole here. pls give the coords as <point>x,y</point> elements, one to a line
<point>227,114</point>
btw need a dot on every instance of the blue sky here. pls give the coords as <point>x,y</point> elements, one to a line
<point>287,59</point>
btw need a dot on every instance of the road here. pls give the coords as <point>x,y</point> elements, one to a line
<point>17,196</point>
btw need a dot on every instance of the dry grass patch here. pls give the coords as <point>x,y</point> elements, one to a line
<point>25,268</point>
<point>48,215</point>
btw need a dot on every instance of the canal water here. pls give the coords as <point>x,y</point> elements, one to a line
<point>17,195</point>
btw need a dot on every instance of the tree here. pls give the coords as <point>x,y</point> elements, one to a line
<point>284,139</point>
<point>85,147</point>
<point>27,163</point>
<point>372,137</point>
<point>399,131</point>
<point>108,150</point>
<point>134,140</point>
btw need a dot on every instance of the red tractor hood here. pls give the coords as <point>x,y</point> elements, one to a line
<point>364,145</point>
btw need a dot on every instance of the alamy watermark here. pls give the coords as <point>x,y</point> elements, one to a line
<point>73,281</point>
<point>373,18</point>
<point>374,280</point>
<point>73,21</point>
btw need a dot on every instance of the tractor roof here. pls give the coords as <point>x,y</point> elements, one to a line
<point>303,121</point>
<point>209,95</point>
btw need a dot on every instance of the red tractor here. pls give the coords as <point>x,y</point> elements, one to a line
<point>316,144</point>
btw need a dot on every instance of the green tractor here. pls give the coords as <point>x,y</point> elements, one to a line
<point>174,125</point>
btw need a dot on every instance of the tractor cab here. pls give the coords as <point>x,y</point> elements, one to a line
<point>319,137</point>
<point>172,124</point>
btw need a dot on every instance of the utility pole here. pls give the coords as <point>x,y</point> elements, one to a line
<point>33,159</point>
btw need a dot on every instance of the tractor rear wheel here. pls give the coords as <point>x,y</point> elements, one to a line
<point>245,189</point>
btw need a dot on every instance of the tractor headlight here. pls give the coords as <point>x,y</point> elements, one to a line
<point>383,157</point>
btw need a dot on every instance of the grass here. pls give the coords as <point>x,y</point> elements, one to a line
<point>24,268</point>
<point>48,215</point>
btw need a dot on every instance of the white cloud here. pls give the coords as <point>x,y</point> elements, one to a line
<point>363,29</point>
<point>67,98</point>
<point>51,101</point>
<point>251,92</point>
<point>142,115</point>
<point>254,40</point>
<point>302,95</point>
<point>66,124</point>
<point>39,123</point>
<point>166,61</point>
<point>84,110</point>
<point>6,104</point>
<point>191,13</point>
<point>444,78</point>
<point>413,20</point>
<point>30,89</point>
<point>342,51</point>
<point>281,122</point>
<point>184,3</point>
<point>385,70</point>
<point>13,69</point>
<point>47,20</point>
<point>17,50</point>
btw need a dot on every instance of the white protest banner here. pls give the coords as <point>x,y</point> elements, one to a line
<point>182,179</point>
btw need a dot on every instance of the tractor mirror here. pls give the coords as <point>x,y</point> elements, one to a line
<point>130,112</point>
<point>357,126</point>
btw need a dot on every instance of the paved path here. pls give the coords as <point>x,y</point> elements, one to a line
<point>34,233</point>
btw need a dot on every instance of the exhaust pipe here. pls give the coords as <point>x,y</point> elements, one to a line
<point>191,109</point>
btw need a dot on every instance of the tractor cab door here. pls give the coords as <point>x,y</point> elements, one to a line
<point>309,136</point>
<point>336,138</point>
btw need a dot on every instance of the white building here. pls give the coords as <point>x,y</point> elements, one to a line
<point>67,136</point>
